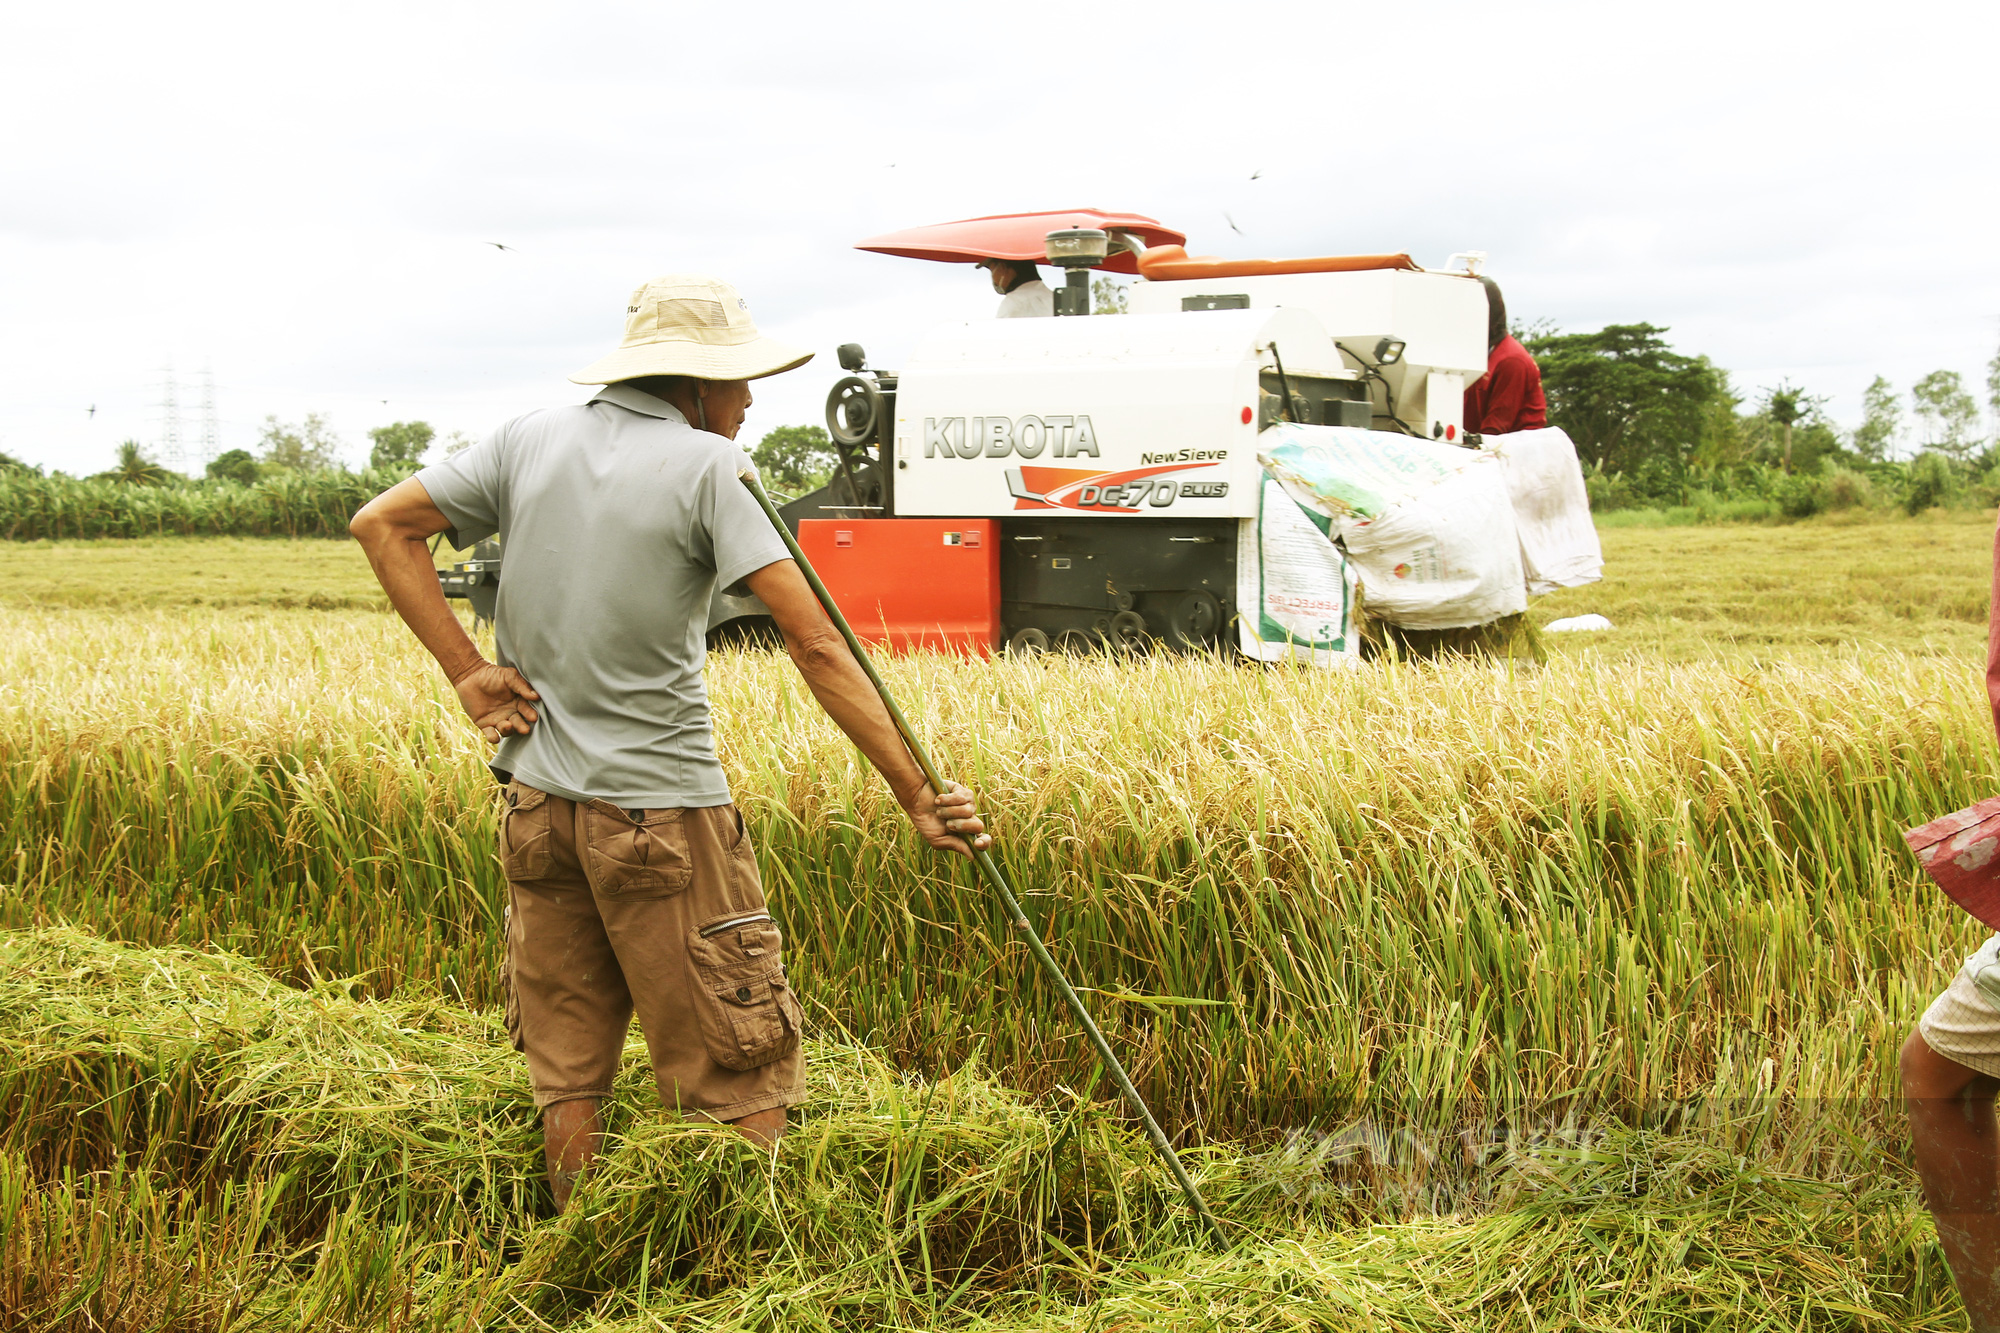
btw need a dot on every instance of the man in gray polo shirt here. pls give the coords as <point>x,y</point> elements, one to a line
<point>631,883</point>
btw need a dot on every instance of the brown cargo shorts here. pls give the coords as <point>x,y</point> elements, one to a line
<point>660,912</point>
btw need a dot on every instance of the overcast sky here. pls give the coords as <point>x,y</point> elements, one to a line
<point>298,198</point>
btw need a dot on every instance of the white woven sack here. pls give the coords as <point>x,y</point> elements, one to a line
<point>1559,547</point>
<point>1428,526</point>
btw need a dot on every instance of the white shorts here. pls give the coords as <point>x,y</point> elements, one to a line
<point>1963,1024</point>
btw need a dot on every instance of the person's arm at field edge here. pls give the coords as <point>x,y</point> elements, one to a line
<point>394,529</point>
<point>849,698</point>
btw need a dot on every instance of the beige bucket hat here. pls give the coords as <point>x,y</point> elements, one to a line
<point>688,324</point>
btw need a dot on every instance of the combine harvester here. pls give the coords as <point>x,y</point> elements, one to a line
<point>1099,482</point>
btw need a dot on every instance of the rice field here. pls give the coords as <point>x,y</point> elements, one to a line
<point>1482,996</point>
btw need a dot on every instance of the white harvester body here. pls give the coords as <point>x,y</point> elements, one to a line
<point>1134,416</point>
<point>1439,317</point>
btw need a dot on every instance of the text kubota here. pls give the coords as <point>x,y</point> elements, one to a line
<point>997,437</point>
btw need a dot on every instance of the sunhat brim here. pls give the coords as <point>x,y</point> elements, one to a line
<point>703,361</point>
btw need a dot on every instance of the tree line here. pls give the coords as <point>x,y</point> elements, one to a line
<point>295,484</point>
<point>283,448</point>
<point>1655,427</point>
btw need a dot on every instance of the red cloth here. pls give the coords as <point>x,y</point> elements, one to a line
<point>1508,397</point>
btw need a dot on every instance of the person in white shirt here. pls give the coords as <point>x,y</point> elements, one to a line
<point>1023,294</point>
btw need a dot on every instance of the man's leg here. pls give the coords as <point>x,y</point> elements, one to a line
<point>572,1135</point>
<point>569,1006</point>
<point>1958,1156</point>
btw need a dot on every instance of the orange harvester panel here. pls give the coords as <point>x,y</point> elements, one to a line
<point>912,582</point>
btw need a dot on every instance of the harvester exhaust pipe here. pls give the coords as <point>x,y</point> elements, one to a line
<point>995,877</point>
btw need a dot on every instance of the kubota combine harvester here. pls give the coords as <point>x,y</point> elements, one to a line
<point>1083,481</point>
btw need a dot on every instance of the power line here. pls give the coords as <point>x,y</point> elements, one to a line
<point>170,452</point>
<point>172,448</point>
<point>211,423</point>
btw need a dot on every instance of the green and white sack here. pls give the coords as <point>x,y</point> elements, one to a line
<point>1295,591</point>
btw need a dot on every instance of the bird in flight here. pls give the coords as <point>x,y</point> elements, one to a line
<point>497,246</point>
<point>92,412</point>
<point>1232,224</point>
<point>1255,174</point>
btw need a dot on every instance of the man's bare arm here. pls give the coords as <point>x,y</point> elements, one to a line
<point>393,530</point>
<point>844,690</point>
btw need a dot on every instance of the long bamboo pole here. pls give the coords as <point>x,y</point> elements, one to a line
<point>990,869</point>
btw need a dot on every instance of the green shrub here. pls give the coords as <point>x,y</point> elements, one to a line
<point>1929,481</point>
<point>1609,490</point>
<point>1844,488</point>
<point>1985,488</point>
<point>1800,496</point>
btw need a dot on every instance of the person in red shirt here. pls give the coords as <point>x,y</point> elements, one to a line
<point>1508,397</point>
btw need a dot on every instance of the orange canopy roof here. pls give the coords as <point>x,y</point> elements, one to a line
<point>1018,236</point>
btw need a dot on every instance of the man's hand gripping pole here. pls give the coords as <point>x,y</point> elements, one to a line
<point>995,878</point>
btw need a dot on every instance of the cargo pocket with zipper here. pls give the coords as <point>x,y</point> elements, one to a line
<point>749,1016</point>
<point>527,841</point>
